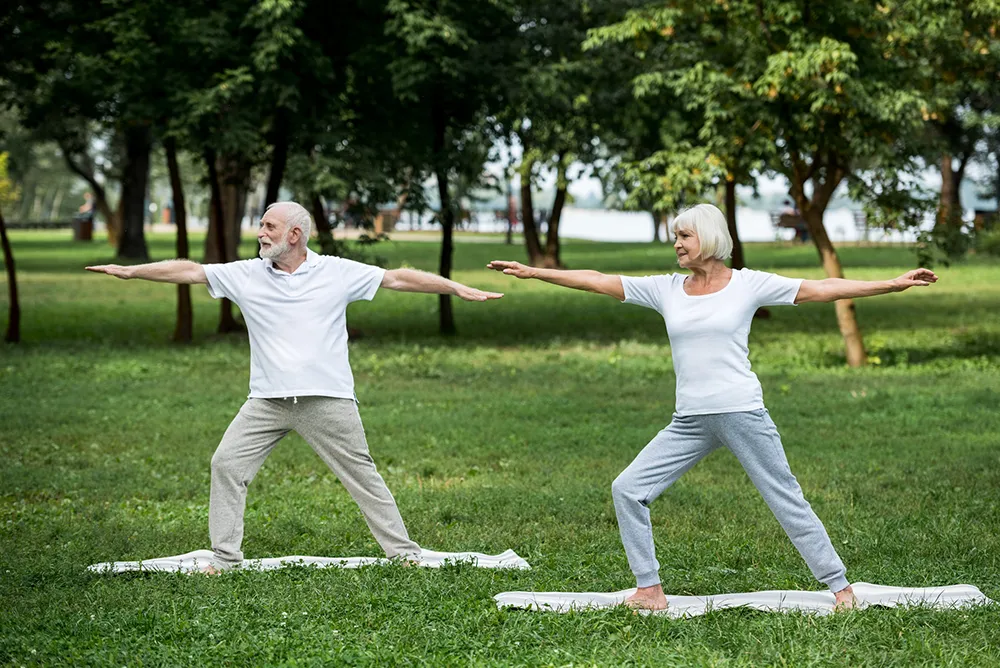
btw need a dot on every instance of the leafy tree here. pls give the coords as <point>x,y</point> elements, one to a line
<point>449,64</point>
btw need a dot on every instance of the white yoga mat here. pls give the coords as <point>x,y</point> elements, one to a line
<point>199,559</point>
<point>818,602</point>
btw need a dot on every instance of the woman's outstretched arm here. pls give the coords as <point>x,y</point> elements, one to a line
<point>832,289</point>
<point>580,279</point>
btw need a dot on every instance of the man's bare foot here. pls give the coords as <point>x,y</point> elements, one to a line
<point>845,599</point>
<point>648,598</point>
<point>210,570</point>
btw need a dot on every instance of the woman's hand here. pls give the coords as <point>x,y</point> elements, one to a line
<point>515,269</point>
<point>914,278</point>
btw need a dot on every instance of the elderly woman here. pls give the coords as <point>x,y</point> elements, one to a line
<point>719,399</point>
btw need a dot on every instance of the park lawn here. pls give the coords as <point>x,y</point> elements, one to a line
<point>507,436</point>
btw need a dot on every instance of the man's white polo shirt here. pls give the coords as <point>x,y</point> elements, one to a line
<point>297,322</point>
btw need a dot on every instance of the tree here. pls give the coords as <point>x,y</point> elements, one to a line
<point>449,64</point>
<point>825,83</point>
<point>8,194</point>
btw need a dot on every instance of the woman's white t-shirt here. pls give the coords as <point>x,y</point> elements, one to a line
<point>709,333</point>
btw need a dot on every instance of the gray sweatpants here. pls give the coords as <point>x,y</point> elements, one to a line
<point>753,438</point>
<point>333,428</point>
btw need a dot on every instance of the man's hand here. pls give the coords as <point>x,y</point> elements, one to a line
<point>474,295</point>
<point>115,270</point>
<point>515,269</point>
<point>914,278</point>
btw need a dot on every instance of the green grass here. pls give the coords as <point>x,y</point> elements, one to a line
<point>507,436</point>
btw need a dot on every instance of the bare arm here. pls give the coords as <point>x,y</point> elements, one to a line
<point>411,280</point>
<point>832,289</point>
<point>168,271</point>
<point>580,279</point>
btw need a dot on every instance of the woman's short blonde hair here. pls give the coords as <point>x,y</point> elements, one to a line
<point>709,225</point>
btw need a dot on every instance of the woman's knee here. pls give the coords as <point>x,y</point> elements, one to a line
<point>623,488</point>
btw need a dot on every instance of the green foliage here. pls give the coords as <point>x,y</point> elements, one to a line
<point>988,242</point>
<point>8,190</point>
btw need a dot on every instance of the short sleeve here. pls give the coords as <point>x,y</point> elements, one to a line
<point>228,280</point>
<point>360,281</point>
<point>645,291</point>
<point>772,289</point>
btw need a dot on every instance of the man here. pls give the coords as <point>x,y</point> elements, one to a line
<point>294,303</point>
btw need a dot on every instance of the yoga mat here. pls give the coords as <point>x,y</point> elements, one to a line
<point>818,602</point>
<point>195,561</point>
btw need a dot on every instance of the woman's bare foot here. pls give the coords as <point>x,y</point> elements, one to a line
<point>845,599</point>
<point>648,598</point>
<point>210,570</point>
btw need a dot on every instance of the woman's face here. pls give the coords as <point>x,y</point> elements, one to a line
<point>688,248</point>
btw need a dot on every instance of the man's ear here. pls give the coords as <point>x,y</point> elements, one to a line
<point>294,235</point>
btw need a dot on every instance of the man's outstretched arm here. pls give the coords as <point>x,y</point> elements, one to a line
<point>411,280</point>
<point>168,271</point>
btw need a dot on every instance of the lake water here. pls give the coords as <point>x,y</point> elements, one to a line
<point>637,226</point>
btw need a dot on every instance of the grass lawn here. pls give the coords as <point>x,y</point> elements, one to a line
<point>507,436</point>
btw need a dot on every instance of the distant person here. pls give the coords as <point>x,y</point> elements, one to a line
<point>294,302</point>
<point>719,399</point>
<point>87,210</point>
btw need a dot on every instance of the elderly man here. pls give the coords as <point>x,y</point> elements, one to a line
<point>294,303</point>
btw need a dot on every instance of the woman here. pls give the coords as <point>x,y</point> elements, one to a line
<point>719,399</point>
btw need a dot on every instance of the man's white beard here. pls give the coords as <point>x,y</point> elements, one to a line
<point>276,250</point>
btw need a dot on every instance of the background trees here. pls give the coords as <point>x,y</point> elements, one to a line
<point>403,103</point>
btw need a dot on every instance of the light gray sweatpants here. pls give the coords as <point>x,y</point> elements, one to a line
<point>753,438</point>
<point>333,428</point>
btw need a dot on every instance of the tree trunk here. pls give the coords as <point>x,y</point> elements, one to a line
<point>847,318</point>
<point>327,244</point>
<point>279,158</point>
<point>531,241</point>
<point>232,178</point>
<point>184,331</point>
<point>227,323</point>
<point>132,243</point>
<point>552,259</point>
<point>14,310</point>
<point>657,221</point>
<point>949,212</point>
<point>440,124</point>
<point>111,220</point>
<point>447,318</point>
<point>738,261</point>
<point>511,213</point>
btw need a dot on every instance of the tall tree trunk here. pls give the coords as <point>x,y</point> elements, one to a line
<point>440,125</point>
<point>447,318</point>
<point>847,318</point>
<point>14,310</point>
<point>327,244</point>
<point>657,221</point>
<point>184,331</point>
<point>279,158</point>
<point>56,203</point>
<point>949,212</point>
<point>531,241</point>
<point>111,220</point>
<point>511,213</point>
<point>132,243</point>
<point>552,259</point>
<point>232,177</point>
<point>227,323</point>
<point>738,261</point>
